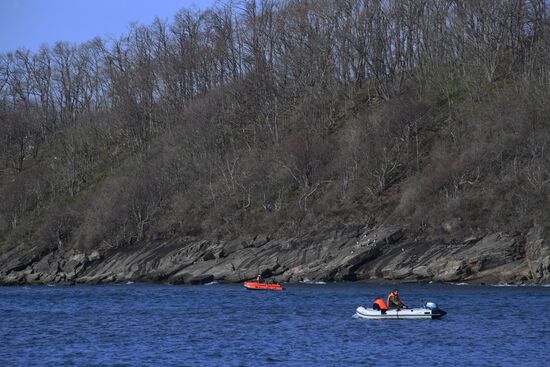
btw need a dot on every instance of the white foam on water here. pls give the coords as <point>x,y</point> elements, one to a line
<point>309,281</point>
<point>129,282</point>
<point>504,284</point>
<point>212,283</point>
<point>462,283</point>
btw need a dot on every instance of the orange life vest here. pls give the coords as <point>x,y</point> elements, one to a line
<point>380,304</point>
<point>392,295</point>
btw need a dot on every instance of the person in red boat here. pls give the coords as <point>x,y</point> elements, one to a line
<point>259,279</point>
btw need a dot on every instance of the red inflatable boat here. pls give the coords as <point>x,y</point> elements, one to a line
<point>263,286</point>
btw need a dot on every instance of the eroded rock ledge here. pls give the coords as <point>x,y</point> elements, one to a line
<point>349,252</point>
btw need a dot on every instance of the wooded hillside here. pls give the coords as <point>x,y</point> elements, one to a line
<point>278,116</point>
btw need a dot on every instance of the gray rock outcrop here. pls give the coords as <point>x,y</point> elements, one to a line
<point>348,252</point>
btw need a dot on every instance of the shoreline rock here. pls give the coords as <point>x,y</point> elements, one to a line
<point>347,253</point>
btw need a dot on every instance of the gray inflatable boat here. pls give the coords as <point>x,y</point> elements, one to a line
<point>429,311</point>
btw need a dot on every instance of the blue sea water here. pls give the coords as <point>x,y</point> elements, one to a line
<point>306,325</point>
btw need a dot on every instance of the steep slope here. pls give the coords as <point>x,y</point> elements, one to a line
<point>323,140</point>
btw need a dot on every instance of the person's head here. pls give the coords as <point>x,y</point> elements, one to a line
<point>395,291</point>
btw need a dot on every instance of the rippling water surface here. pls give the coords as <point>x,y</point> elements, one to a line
<point>306,325</point>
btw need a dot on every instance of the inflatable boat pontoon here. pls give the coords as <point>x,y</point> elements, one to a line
<point>263,286</point>
<point>429,311</point>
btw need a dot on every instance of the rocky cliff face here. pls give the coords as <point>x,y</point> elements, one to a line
<point>349,252</point>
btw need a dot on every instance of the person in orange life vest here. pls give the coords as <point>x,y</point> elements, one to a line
<point>379,304</point>
<point>394,301</point>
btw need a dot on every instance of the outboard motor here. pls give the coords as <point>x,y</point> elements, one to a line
<point>431,305</point>
<point>437,313</point>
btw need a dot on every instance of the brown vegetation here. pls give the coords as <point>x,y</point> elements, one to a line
<point>272,115</point>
